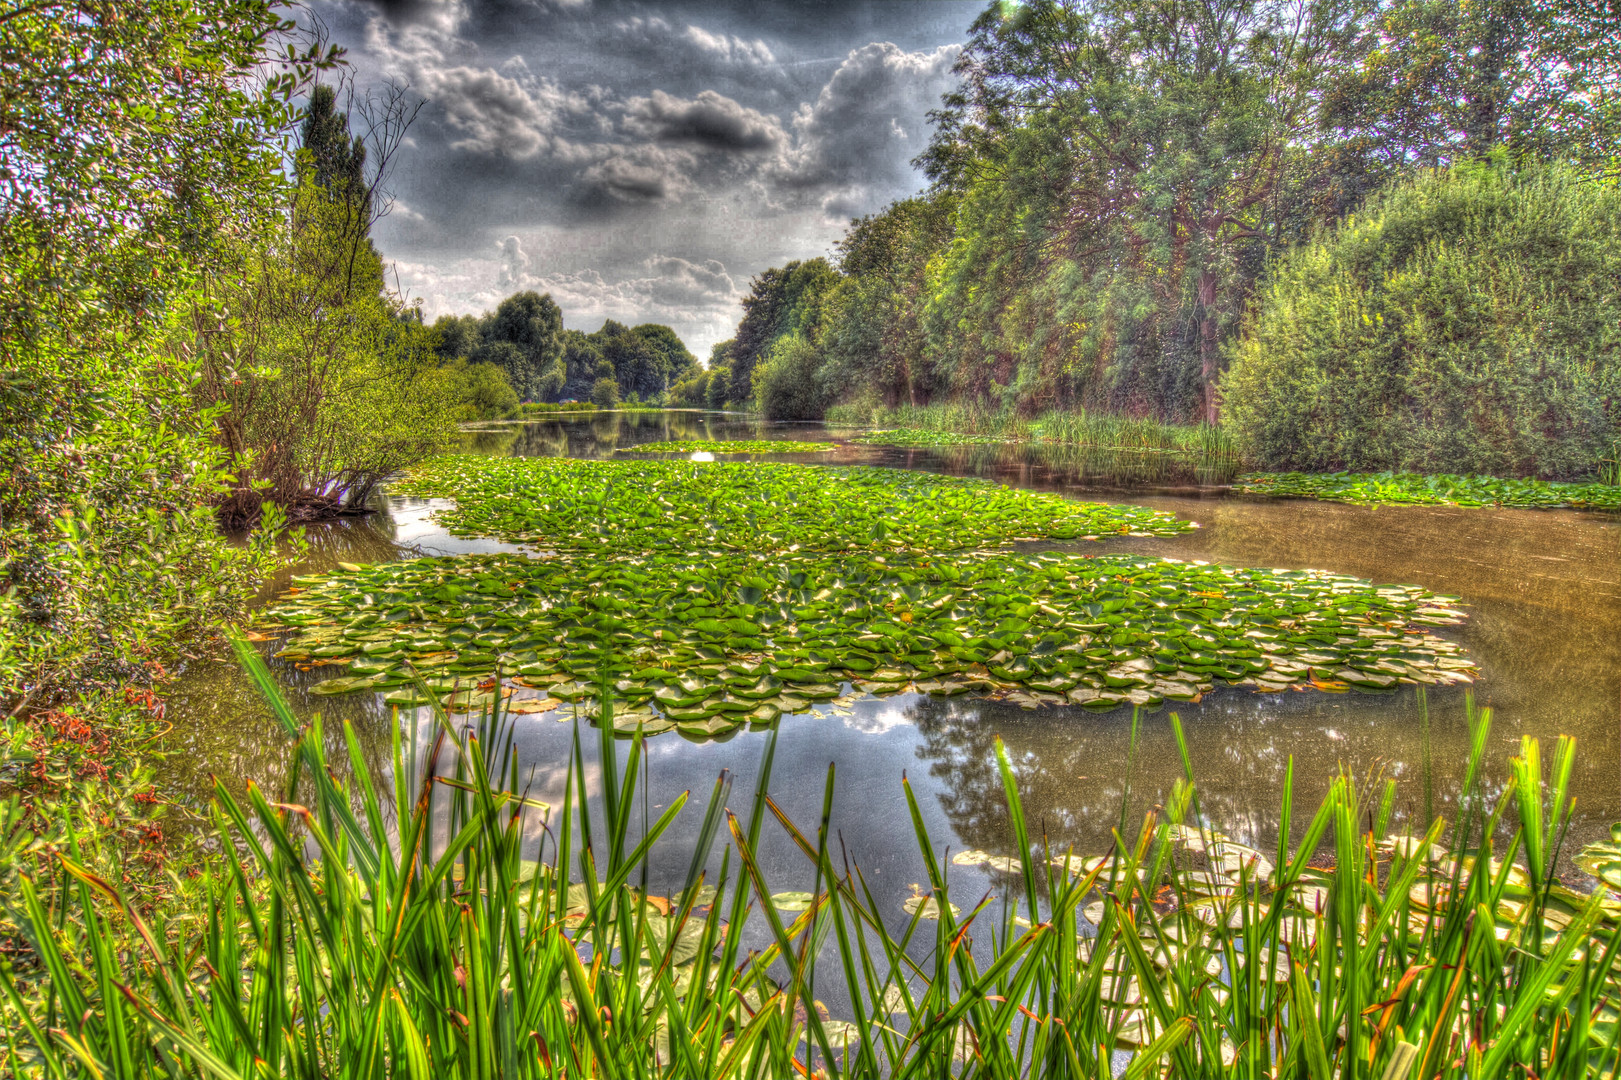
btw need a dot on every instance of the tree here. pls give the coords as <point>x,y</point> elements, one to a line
<point>781,301</point>
<point>1468,321</point>
<point>480,391</point>
<point>532,323</point>
<point>1119,165</point>
<point>137,135</point>
<point>321,383</point>
<point>1454,80</point>
<point>605,393</point>
<point>584,364</point>
<point>458,336</point>
<point>875,337</point>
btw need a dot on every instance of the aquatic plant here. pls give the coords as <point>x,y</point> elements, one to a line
<point>926,437</point>
<point>435,947</point>
<point>1417,489</point>
<point>714,643</point>
<point>681,506</point>
<point>730,446</point>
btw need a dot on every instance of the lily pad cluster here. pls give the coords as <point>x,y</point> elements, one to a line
<point>730,446</point>
<point>1417,489</point>
<point>707,644</point>
<point>925,437</point>
<point>693,507</point>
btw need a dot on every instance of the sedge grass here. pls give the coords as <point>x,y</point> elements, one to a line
<point>338,944</point>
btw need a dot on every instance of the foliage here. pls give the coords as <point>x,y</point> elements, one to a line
<point>140,137</point>
<point>786,383</point>
<point>605,393</point>
<point>80,776</point>
<point>1453,81</point>
<point>422,953</point>
<point>731,446</point>
<point>1467,322</point>
<point>524,337</point>
<point>1415,489</point>
<point>324,383</point>
<point>925,437</point>
<point>480,391</point>
<point>782,301</point>
<point>653,506</point>
<point>546,362</point>
<point>714,641</point>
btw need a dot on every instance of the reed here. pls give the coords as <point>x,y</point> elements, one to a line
<point>1206,450</point>
<point>403,933</point>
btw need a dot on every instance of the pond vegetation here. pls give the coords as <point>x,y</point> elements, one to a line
<point>663,506</point>
<point>409,951</point>
<point>927,437</point>
<point>712,643</point>
<point>730,446</point>
<point>1415,489</point>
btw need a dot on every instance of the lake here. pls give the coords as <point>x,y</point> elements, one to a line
<point>1542,590</point>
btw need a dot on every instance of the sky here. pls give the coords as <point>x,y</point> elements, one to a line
<point>641,162</point>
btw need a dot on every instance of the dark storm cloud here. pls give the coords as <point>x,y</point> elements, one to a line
<point>643,161</point>
<point>710,120</point>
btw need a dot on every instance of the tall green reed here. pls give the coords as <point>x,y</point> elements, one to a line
<point>402,932</point>
<point>1147,446</point>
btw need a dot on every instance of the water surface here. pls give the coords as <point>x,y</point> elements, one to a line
<point>1542,590</point>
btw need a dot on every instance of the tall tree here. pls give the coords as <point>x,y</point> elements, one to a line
<point>1121,164</point>
<point>533,324</point>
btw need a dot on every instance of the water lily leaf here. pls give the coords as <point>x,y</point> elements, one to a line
<point>342,686</point>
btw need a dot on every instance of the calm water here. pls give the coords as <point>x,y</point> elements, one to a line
<point>1542,589</point>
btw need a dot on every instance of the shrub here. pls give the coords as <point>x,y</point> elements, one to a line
<point>1468,322</point>
<point>786,386</point>
<point>605,393</point>
<point>481,390</point>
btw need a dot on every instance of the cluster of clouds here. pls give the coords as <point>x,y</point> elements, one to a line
<point>560,162</point>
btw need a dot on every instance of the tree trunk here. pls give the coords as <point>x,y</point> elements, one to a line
<point>1209,346</point>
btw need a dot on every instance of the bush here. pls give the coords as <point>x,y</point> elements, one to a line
<point>605,393</point>
<point>786,386</point>
<point>1469,322</point>
<point>481,391</point>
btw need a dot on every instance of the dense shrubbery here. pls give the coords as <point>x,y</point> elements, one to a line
<point>1467,322</point>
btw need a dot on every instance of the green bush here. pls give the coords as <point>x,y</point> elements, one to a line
<point>786,386</point>
<point>605,393</point>
<point>481,391</point>
<point>1468,322</point>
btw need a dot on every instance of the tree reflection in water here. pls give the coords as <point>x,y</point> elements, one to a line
<point>1072,766</point>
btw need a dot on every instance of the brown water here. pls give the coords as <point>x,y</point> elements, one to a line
<point>1542,590</point>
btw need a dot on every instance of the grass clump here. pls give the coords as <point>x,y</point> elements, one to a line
<point>1417,489</point>
<point>679,506</point>
<point>730,446</point>
<point>445,945</point>
<point>715,643</point>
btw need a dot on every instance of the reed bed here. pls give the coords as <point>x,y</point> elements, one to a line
<point>1205,451</point>
<point>405,933</point>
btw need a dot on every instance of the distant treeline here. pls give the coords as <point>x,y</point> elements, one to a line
<point>1129,198</point>
<point>521,352</point>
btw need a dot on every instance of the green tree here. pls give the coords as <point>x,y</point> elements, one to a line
<point>533,324</point>
<point>781,301</point>
<point>479,391</point>
<point>605,393</point>
<point>584,364</point>
<point>137,134</point>
<point>720,374</point>
<point>1120,166</point>
<point>1468,321</point>
<point>876,338</point>
<point>1452,80</point>
<point>458,336</point>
